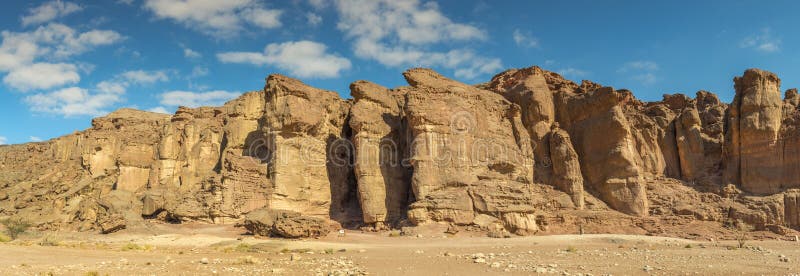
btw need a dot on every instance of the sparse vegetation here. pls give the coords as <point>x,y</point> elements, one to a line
<point>688,245</point>
<point>394,233</point>
<point>571,249</point>
<point>4,238</point>
<point>248,260</point>
<point>15,227</point>
<point>50,241</point>
<point>742,235</point>
<point>133,246</point>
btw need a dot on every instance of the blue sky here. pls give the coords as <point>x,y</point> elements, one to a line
<point>64,62</point>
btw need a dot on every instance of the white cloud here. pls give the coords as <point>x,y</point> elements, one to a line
<point>53,40</point>
<point>3,140</point>
<point>189,53</point>
<point>196,99</point>
<point>216,18</point>
<point>159,109</point>
<point>313,19</point>
<point>112,87</point>
<point>35,139</point>
<point>641,65</point>
<point>144,77</point>
<point>305,59</point>
<point>49,11</point>
<point>318,4</point>
<point>73,101</point>
<point>642,71</point>
<point>20,51</point>
<point>400,33</point>
<point>199,71</point>
<point>525,39</point>
<point>762,42</point>
<point>572,72</point>
<point>42,76</point>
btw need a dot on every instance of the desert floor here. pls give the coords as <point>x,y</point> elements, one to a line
<point>223,250</point>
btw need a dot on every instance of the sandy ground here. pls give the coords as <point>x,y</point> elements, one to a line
<point>223,250</point>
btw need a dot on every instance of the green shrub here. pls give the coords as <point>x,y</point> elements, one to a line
<point>4,238</point>
<point>15,227</point>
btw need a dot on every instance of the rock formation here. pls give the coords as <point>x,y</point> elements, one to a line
<point>526,152</point>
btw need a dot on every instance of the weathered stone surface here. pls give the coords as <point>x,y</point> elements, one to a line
<point>566,166</point>
<point>754,123</point>
<point>287,224</point>
<point>380,140</point>
<point>484,156</point>
<point>791,208</point>
<point>469,150</point>
<point>308,156</point>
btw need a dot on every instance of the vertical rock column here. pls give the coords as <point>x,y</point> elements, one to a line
<point>308,162</point>
<point>566,166</point>
<point>379,140</point>
<point>753,157</point>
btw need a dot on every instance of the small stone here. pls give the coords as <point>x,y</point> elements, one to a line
<point>204,261</point>
<point>419,252</point>
<point>495,265</point>
<point>480,260</point>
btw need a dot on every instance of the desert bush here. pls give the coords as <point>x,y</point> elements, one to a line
<point>15,227</point>
<point>571,249</point>
<point>4,238</point>
<point>742,234</point>
<point>50,241</point>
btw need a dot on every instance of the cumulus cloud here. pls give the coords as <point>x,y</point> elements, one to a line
<point>641,65</point>
<point>196,99</point>
<point>73,101</point>
<point>42,76</point>
<point>764,42</point>
<point>144,77</point>
<point>189,53</point>
<point>570,72</point>
<point>159,109</point>
<point>216,18</point>
<point>641,71</point>
<point>400,33</point>
<point>313,19</point>
<point>19,52</point>
<point>48,12</point>
<point>305,59</point>
<point>525,39</point>
<point>53,40</point>
<point>34,139</point>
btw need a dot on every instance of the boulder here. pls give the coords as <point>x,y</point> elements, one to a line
<point>287,224</point>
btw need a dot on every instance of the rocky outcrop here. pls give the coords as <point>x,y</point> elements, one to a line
<point>469,151</point>
<point>286,224</point>
<point>307,153</point>
<point>528,152</point>
<point>379,138</point>
<point>754,121</point>
<point>566,166</point>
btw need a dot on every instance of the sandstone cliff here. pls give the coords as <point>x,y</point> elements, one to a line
<point>527,152</point>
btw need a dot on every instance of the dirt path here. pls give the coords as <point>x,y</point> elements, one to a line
<point>223,251</point>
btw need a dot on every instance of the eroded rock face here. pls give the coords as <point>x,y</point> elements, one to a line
<point>754,149</point>
<point>307,152</point>
<point>566,166</point>
<point>527,152</point>
<point>286,224</point>
<point>469,151</point>
<point>380,139</point>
